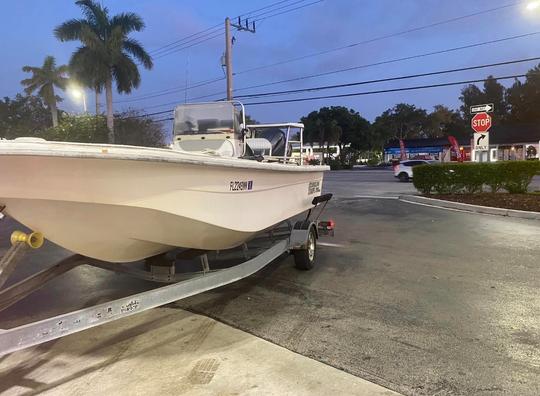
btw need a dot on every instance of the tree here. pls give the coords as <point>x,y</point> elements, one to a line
<point>523,98</point>
<point>250,121</point>
<point>131,129</point>
<point>443,121</point>
<point>493,92</point>
<point>400,122</point>
<point>23,116</point>
<point>107,50</point>
<point>43,80</point>
<point>336,125</point>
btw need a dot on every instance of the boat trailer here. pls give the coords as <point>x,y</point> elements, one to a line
<point>298,239</point>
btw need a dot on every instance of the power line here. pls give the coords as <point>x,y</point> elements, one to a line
<point>164,119</point>
<point>169,91</point>
<point>417,87</point>
<point>184,43</point>
<point>182,89</point>
<point>434,73</point>
<point>174,50</point>
<point>176,101</point>
<point>210,33</point>
<point>219,25</point>
<point>305,77</point>
<point>289,10</point>
<point>150,114</point>
<point>257,16</point>
<point>385,62</point>
<point>377,91</point>
<point>249,14</point>
<point>185,38</point>
<point>375,39</point>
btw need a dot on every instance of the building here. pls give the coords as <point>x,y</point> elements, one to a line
<point>506,143</point>
<point>427,148</point>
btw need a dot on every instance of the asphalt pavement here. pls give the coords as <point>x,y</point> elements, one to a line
<point>417,299</point>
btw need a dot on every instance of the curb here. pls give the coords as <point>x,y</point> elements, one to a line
<point>440,203</point>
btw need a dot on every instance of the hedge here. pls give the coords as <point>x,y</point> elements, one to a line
<point>451,178</point>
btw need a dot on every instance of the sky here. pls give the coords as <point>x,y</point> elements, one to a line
<point>26,28</point>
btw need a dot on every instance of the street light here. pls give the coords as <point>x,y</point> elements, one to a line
<point>78,94</point>
<point>532,5</point>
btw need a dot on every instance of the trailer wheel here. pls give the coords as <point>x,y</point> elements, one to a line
<point>305,258</point>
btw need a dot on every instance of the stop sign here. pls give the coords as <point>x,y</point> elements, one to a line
<point>481,122</point>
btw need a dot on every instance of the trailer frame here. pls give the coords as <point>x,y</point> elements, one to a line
<point>290,239</point>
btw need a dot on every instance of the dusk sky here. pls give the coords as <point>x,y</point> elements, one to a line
<point>27,30</point>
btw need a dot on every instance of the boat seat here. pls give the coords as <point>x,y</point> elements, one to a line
<point>260,146</point>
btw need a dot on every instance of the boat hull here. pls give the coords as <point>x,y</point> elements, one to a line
<point>127,206</point>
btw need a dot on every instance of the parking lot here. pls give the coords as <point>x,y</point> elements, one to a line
<point>417,299</point>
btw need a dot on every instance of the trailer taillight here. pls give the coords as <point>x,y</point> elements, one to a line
<point>326,227</point>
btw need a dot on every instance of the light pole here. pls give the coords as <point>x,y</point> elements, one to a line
<point>78,94</point>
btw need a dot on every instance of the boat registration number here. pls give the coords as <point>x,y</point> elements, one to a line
<point>314,187</point>
<point>241,185</point>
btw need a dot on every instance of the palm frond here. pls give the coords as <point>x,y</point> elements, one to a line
<point>128,21</point>
<point>30,69</point>
<point>61,82</point>
<point>49,64</point>
<point>126,74</point>
<point>62,69</point>
<point>95,14</point>
<point>93,41</point>
<point>135,48</point>
<point>87,67</point>
<point>46,92</point>
<point>31,87</point>
<point>115,43</point>
<point>29,81</point>
<point>70,30</point>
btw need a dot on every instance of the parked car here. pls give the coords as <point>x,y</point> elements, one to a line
<point>404,171</point>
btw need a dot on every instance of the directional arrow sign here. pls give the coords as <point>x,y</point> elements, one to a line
<point>481,141</point>
<point>483,108</point>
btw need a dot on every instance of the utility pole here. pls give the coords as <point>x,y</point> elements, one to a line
<point>228,49</point>
<point>228,58</point>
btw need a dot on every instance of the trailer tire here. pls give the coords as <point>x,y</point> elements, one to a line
<point>305,258</point>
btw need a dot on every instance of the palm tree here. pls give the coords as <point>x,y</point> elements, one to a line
<point>107,52</point>
<point>44,79</point>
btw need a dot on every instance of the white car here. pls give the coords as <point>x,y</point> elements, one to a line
<point>404,171</point>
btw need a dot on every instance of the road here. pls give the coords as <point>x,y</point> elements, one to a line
<point>417,299</point>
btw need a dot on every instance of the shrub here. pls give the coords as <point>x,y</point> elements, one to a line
<point>335,164</point>
<point>514,177</point>
<point>518,175</point>
<point>129,128</point>
<point>373,161</point>
<point>78,128</point>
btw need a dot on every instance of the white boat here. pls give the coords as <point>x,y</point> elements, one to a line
<point>219,185</point>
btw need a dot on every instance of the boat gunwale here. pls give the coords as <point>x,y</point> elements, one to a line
<point>152,154</point>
